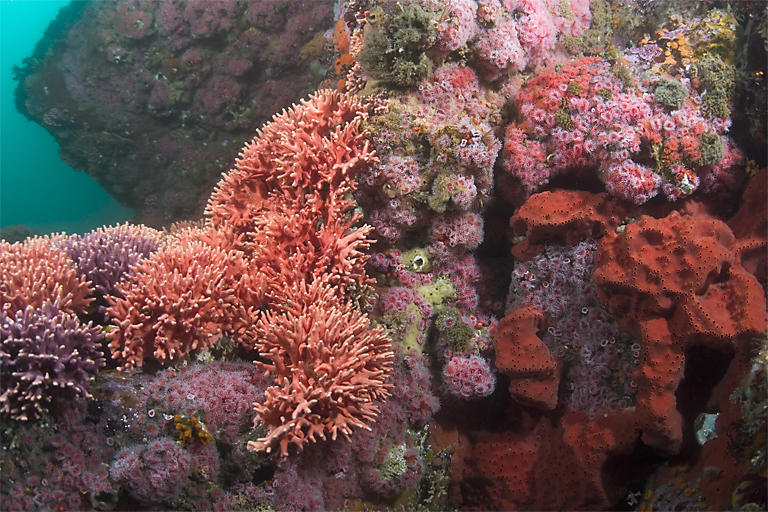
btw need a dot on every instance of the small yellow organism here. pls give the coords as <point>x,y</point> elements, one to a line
<point>191,430</point>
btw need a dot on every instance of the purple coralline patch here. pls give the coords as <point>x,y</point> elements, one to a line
<point>105,255</point>
<point>45,353</point>
<point>124,445</point>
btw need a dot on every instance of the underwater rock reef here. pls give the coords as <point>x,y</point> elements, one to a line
<point>511,255</point>
<point>153,99</point>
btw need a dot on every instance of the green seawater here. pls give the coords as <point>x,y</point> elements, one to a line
<point>36,187</point>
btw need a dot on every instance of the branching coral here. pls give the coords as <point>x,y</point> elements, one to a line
<point>44,353</point>
<point>329,365</point>
<point>312,148</point>
<point>104,255</point>
<point>34,271</point>
<point>274,269</point>
<point>182,299</point>
<point>293,243</point>
<point>286,202</point>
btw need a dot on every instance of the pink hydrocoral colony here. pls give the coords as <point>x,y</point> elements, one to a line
<point>290,185</point>
<point>587,116</point>
<point>273,269</point>
<point>34,271</point>
<point>313,146</point>
<point>280,215</point>
<point>329,365</point>
<point>285,205</point>
<point>182,299</point>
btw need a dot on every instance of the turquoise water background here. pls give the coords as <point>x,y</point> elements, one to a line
<point>36,187</point>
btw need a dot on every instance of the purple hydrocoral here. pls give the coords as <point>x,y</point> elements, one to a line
<point>45,353</point>
<point>106,254</point>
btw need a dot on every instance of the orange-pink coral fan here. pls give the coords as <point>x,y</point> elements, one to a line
<point>295,242</point>
<point>314,148</point>
<point>182,299</point>
<point>34,271</point>
<point>286,199</point>
<point>330,367</point>
<point>281,255</point>
<point>285,205</point>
